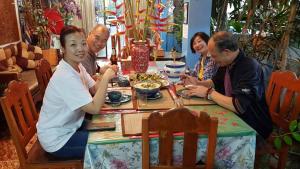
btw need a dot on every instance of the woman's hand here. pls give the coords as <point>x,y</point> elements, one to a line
<point>103,69</point>
<point>97,76</point>
<point>110,72</point>
<point>199,91</point>
<point>114,68</point>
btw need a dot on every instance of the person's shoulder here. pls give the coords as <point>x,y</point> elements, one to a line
<point>83,68</point>
<point>248,62</point>
<point>63,74</point>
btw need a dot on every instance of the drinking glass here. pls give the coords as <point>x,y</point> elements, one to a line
<point>179,101</point>
<point>142,97</point>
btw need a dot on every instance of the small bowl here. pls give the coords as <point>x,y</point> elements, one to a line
<point>114,96</point>
<point>123,83</point>
<point>147,87</point>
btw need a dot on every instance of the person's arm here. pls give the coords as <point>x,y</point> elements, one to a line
<point>99,97</point>
<point>104,68</point>
<point>207,83</point>
<point>220,99</point>
<point>98,78</point>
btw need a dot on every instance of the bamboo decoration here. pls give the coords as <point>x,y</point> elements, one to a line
<point>286,36</point>
<point>140,16</point>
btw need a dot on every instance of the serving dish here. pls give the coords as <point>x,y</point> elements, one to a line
<point>147,87</point>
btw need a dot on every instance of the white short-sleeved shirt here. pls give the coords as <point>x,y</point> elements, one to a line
<point>60,114</point>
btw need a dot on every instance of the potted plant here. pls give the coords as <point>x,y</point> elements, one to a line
<point>288,137</point>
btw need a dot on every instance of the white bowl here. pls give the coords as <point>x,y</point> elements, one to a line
<point>176,64</point>
<point>174,69</point>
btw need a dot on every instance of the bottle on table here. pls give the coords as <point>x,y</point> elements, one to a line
<point>113,57</point>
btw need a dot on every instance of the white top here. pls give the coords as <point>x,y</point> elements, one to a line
<point>60,114</point>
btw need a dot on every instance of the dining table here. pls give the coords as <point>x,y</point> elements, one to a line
<point>236,141</point>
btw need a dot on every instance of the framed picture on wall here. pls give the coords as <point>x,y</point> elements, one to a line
<point>185,12</point>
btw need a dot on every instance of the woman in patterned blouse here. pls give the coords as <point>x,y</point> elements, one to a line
<point>206,67</point>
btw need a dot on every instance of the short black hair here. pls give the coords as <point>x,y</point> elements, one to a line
<point>225,40</point>
<point>66,30</point>
<point>202,35</point>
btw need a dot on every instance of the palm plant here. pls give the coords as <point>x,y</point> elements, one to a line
<point>267,26</point>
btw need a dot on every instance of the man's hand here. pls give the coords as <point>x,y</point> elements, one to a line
<point>188,80</point>
<point>199,91</point>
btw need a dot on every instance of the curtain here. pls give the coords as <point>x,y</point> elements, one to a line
<point>88,20</point>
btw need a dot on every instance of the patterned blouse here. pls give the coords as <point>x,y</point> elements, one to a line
<point>210,68</point>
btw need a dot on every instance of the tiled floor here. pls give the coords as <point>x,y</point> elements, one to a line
<point>8,154</point>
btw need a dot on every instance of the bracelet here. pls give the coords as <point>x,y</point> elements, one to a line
<point>208,92</point>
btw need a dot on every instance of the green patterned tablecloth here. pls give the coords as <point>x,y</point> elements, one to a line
<point>235,144</point>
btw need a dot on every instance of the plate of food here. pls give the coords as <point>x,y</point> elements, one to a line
<point>141,77</point>
<point>147,87</point>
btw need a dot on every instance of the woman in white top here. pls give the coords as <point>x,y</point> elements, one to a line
<point>71,93</point>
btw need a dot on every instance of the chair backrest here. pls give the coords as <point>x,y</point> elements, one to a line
<point>21,115</point>
<point>5,78</point>
<point>43,74</point>
<point>179,120</point>
<point>283,98</point>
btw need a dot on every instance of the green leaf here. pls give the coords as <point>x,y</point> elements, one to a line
<point>299,126</point>
<point>293,125</point>
<point>296,136</point>
<point>277,143</point>
<point>288,140</point>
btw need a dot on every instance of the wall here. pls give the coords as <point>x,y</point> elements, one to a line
<point>199,12</point>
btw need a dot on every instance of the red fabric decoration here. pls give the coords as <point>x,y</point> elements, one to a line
<point>55,21</point>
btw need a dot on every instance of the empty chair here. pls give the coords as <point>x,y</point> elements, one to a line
<point>283,99</point>
<point>21,117</point>
<point>43,74</point>
<point>5,78</point>
<point>179,120</point>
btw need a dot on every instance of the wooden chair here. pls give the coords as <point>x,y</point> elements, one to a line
<point>283,99</point>
<point>21,116</point>
<point>5,78</point>
<point>179,120</point>
<point>43,74</point>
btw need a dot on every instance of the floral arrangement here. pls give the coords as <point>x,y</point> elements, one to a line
<point>141,20</point>
<point>68,9</point>
<point>36,24</point>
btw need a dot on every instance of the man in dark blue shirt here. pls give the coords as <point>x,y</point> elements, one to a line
<point>238,84</point>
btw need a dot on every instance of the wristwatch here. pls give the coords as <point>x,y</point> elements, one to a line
<point>208,93</point>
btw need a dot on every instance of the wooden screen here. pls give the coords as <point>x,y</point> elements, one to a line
<point>8,22</point>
